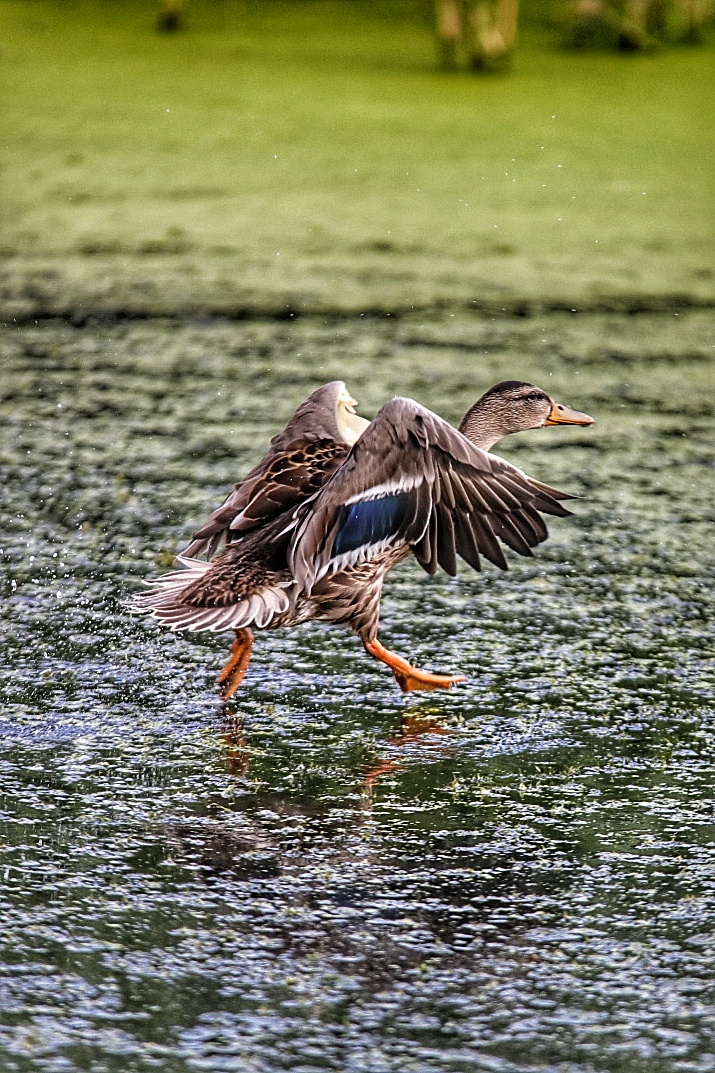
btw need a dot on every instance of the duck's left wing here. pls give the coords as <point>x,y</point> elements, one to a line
<point>297,464</point>
<point>413,479</point>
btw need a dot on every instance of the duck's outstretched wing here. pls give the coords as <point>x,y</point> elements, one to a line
<point>414,479</point>
<point>300,459</point>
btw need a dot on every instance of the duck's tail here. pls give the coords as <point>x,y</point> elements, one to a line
<point>194,598</point>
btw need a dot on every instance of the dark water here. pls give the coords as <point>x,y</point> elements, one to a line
<point>517,875</point>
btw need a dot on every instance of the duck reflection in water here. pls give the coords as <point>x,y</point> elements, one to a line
<point>233,735</point>
<point>420,732</point>
<point>361,884</point>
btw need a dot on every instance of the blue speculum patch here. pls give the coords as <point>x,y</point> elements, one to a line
<point>370,521</point>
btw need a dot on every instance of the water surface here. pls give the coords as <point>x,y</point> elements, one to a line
<point>515,875</point>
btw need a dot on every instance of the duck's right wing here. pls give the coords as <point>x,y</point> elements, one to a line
<point>414,479</point>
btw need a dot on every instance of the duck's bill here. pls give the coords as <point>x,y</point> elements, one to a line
<point>347,400</point>
<point>564,415</point>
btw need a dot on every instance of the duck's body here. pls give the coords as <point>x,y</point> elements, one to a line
<point>313,529</point>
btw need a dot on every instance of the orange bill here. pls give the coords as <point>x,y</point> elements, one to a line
<point>564,415</point>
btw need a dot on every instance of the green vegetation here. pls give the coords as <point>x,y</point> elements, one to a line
<point>311,154</point>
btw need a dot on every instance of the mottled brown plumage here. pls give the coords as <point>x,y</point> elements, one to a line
<point>301,457</point>
<point>337,501</point>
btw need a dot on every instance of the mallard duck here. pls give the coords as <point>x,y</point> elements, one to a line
<point>311,531</point>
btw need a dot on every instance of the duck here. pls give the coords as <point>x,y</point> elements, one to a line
<point>337,501</point>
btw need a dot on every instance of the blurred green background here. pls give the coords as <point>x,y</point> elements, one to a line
<point>515,876</point>
<point>312,155</point>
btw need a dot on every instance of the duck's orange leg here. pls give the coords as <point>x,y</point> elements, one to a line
<point>233,673</point>
<point>408,677</point>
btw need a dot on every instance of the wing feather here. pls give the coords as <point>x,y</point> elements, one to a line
<point>299,461</point>
<point>486,541</point>
<point>467,541</point>
<point>446,541</point>
<point>413,479</point>
<point>508,531</point>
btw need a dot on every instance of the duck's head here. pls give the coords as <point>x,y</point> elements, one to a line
<point>515,406</point>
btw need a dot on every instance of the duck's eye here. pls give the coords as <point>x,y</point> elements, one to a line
<point>534,396</point>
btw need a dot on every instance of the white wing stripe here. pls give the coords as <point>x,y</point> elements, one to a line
<point>355,556</point>
<point>402,484</point>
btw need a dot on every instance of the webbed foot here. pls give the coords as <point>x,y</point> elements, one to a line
<point>409,678</point>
